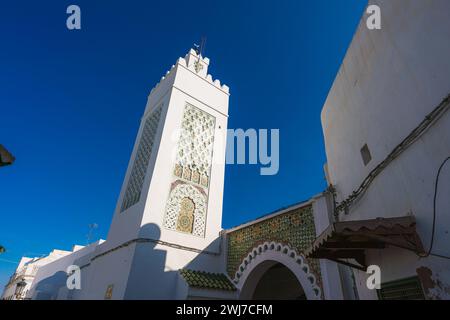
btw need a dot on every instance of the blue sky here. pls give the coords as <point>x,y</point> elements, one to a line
<point>71,102</point>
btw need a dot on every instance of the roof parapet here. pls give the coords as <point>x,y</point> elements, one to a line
<point>198,65</point>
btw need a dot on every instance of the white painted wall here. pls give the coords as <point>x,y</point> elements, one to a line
<point>331,277</point>
<point>389,81</point>
<point>52,277</point>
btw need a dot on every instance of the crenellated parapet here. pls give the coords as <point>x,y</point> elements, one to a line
<point>197,64</point>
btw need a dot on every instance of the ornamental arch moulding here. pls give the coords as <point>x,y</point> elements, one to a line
<point>264,256</point>
<point>277,240</point>
<point>183,200</point>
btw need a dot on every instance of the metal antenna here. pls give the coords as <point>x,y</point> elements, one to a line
<point>92,226</point>
<point>202,45</point>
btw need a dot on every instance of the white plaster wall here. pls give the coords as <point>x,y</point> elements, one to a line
<point>389,81</point>
<point>51,277</point>
<point>126,225</point>
<point>331,277</point>
<point>110,269</point>
<point>154,272</point>
<point>83,262</point>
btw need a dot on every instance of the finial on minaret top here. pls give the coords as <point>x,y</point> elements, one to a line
<point>195,61</point>
<point>198,48</point>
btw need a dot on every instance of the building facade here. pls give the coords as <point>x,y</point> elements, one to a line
<point>386,131</point>
<point>20,282</point>
<point>387,134</point>
<point>50,281</point>
<point>265,258</point>
<point>166,240</point>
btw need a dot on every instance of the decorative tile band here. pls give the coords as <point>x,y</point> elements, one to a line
<point>187,204</point>
<point>144,151</point>
<point>293,228</point>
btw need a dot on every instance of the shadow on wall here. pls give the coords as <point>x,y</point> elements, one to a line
<point>47,289</point>
<point>150,276</point>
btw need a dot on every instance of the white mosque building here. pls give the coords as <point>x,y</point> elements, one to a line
<point>386,131</point>
<point>165,239</point>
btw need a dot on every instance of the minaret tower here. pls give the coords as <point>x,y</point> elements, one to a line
<point>169,211</point>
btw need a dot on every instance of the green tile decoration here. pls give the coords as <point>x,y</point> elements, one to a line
<point>207,280</point>
<point>403,289</point>
<point>294,228</point>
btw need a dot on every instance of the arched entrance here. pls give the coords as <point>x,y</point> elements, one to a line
<point>270,263</point>
<point>273,282</point>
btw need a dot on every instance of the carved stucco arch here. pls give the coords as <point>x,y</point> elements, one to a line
<point>261,256</point>
<point>180,191</point>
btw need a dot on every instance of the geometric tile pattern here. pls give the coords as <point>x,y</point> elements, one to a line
<point>195,145</point>
<point>294,228</point>
<point>191,172</point>
<point>180,191</point>
<point>186,216</point>
<point>207,280</point>
<point>139,170</point>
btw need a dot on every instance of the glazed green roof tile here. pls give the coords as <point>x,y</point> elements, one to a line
<point>201,279</point>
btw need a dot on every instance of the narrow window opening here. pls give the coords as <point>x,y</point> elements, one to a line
<point>365,154</point>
